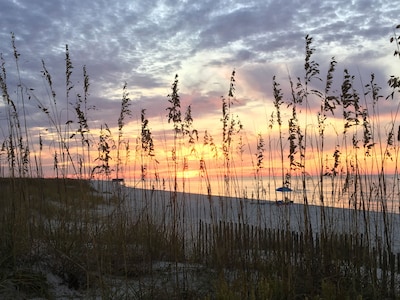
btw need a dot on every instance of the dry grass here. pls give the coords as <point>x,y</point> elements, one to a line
<point>104,241</point>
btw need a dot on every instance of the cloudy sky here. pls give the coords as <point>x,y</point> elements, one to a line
<point>145,43</point>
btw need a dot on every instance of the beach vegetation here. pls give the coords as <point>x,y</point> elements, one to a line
<point>83,210</point>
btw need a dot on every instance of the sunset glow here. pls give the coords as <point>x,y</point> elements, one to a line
<point>85,122</point>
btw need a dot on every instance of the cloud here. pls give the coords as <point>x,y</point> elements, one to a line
<point>150,42</point>
<point>146,43</point>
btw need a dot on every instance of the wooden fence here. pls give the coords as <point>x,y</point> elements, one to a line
<point>316,255</point>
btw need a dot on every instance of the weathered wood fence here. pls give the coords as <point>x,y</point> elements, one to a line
<point>318,255</point>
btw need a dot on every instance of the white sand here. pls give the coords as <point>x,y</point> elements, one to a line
<point>190,209</point>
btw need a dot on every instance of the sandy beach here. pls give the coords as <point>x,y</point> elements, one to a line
<point>191,209</point>
<point>104,240</point>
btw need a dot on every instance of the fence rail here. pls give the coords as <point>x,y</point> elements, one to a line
<point>315,255</point>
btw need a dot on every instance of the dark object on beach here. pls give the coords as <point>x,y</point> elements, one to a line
<point>284,202</point>
<point>283,189</point>
<point>118,180</point>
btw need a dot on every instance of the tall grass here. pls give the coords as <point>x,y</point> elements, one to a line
<point>101,239</point>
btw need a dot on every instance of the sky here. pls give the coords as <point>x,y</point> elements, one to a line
<point>146,43</point>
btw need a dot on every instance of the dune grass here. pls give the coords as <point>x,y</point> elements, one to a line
<point>99,238</point>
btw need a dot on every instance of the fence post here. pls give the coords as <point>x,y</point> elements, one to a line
<point>392,259</point>
<point>398,263</point>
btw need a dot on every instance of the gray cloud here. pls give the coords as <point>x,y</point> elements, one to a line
<point>146,43</point>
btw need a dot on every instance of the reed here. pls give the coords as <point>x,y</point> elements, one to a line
<point>152,240</point>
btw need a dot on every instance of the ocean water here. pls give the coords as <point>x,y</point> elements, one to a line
<point>369,192</point>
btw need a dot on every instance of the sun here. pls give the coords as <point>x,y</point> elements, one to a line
<point>188,174</point>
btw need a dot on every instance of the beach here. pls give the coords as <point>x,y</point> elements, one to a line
<point>87,239</point>
<point>191,209</point>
